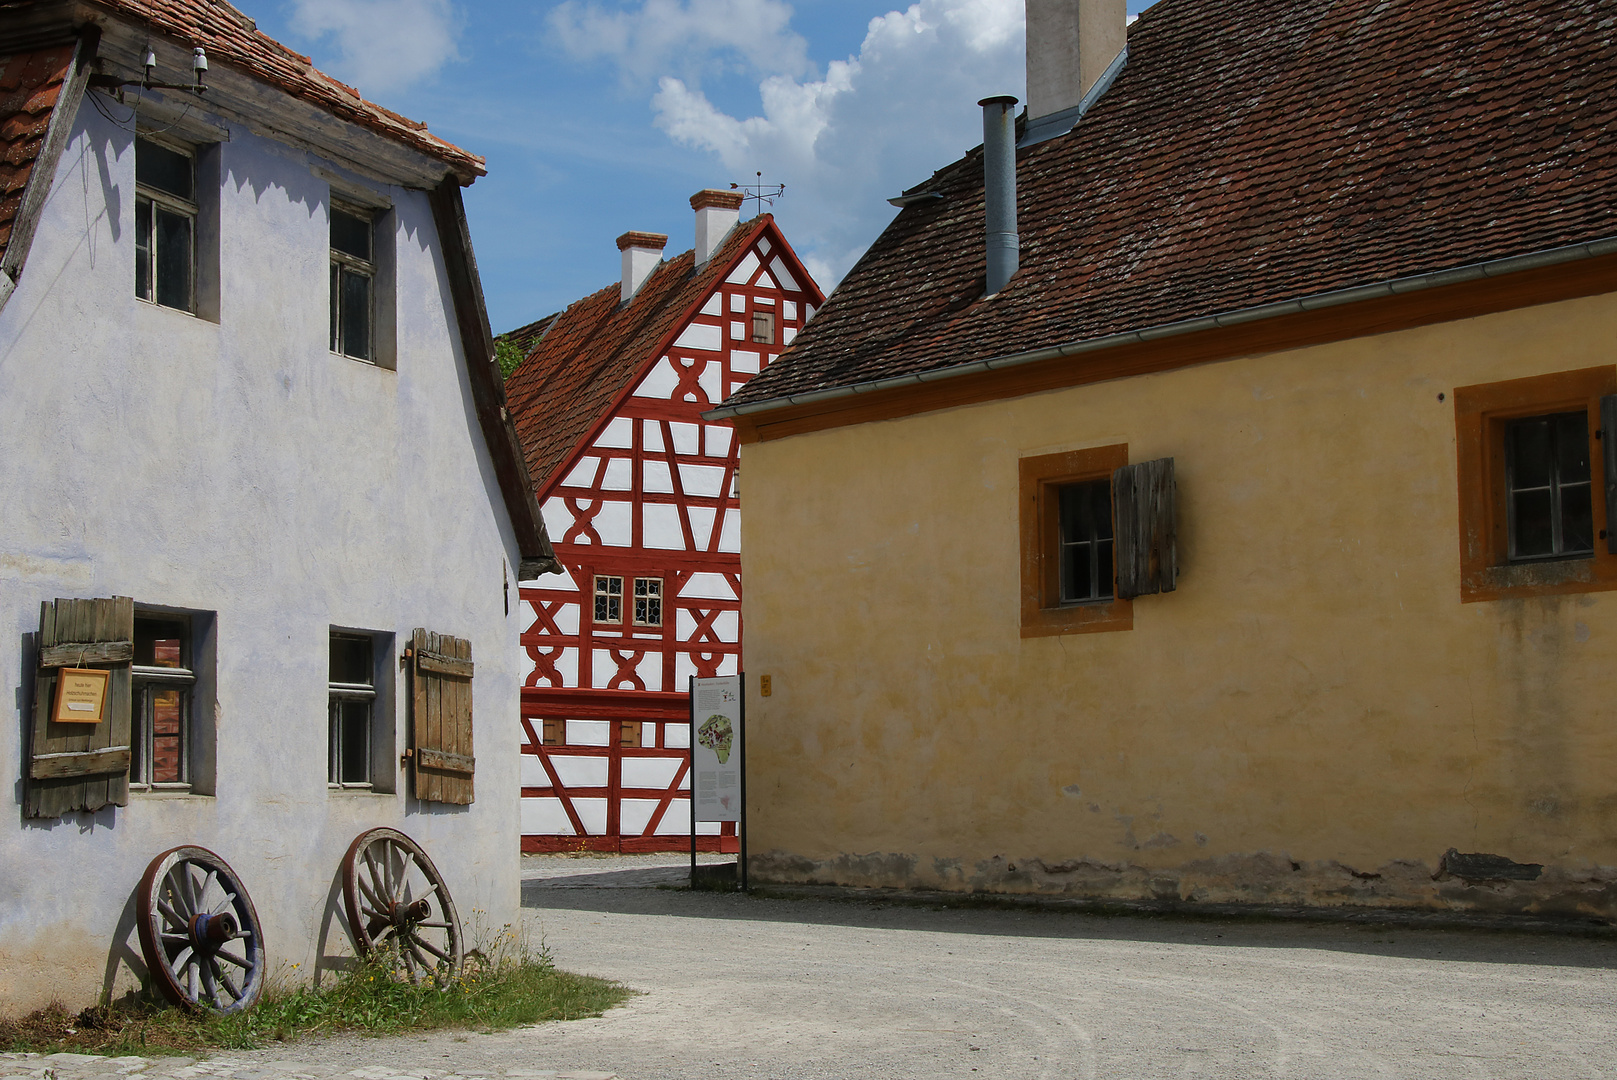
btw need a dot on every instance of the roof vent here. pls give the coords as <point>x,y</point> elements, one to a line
<point>999,189</point>
<point>642,252</point>
<point>717,212</point>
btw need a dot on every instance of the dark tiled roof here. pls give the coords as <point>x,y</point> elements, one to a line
<point>232,38</point>
<point>592,351</point>
<point>1251,153</point>
<point>30,84</point>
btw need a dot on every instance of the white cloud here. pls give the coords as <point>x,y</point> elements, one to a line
<point>875,124</point>
<point>384,45</point>
<point>687,36</point>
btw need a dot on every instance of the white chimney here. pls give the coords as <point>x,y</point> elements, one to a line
<point>717,212</point>
<point>1070,45</point>
<point>642,252</point>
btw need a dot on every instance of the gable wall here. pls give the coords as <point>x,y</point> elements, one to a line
<point>239,467</point>
<point>1313,717</point>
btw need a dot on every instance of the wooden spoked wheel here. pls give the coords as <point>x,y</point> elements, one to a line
<point>397,903</point>
<point>201,937</point>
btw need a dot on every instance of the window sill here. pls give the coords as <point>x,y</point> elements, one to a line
<point>362,360</point>
<point>1079,619</point>
<point>1558,577</point>
<point>357,792</point>
<point>168,793</point>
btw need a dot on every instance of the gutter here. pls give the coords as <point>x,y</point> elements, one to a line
<point>1235,317</point>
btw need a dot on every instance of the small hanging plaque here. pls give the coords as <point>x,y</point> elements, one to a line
<point>81,695</point>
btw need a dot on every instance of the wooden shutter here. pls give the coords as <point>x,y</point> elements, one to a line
<point>441,729</point>
<point>1608,454</point>
<point>1143,498</point>
<point>75,766</point>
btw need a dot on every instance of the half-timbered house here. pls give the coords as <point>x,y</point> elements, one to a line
<point>259,488</point>
<point>642,496</point>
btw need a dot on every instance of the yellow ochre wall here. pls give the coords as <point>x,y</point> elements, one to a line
<point>1312,717</point>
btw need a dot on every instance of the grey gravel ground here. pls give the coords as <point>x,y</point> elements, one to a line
<point>813,989</point>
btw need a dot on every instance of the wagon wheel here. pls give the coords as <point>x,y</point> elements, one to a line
<point>397,901</point>
<point>202,939</point>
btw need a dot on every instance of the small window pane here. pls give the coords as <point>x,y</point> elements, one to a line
<point>1577,521</point>
<point>173,237</point>
<point>351,235</point>
<point>355,721</point>
<point>160,643</point>
<point>351,659</point>
<point>1531,454</point>
<point>1084,523</point>
<point>143,248</point>
<point>168,736</point>
<point>1534,536</point>
<point>356,315</point>
<point>336,306</point>
<point>164,169</point>
<point>1572,447</point>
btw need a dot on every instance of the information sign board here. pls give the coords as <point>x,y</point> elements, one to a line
<point>716,747</point>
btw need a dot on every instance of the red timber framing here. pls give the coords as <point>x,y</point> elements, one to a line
<point>646,518</point>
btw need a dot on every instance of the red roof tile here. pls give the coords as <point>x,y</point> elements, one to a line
<point>30,83</point>
<point>589,354</point>
<point>232,38</point>
<point>1250,153</point>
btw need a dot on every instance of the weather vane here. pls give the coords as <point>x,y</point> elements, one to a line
<point>760,192</point>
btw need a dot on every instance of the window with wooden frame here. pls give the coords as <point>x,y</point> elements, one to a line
<point>648,601</point>
<point>351,707</point>
<point>1096,532</point>
<point>165,225</point>
<point>1536,476</point>
<point>608,598</point>
<point>353,277</point>
<point>163,680</point>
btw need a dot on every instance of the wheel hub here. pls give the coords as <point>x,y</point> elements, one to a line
<point>208,932</point>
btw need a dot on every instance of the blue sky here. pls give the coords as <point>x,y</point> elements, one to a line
<point>600,116</point>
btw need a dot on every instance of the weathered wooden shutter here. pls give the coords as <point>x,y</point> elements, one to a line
<point>441,757</point>
<point>75,766</point>
<point>1143,505</point>
<point>1608,454</point>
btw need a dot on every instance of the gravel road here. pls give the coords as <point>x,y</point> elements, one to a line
<point>813,989</point>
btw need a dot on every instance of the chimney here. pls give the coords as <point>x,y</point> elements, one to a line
<point>1070,45</point>
<point>999,189</point>
<point>642,251</point>
<point>717,212</point>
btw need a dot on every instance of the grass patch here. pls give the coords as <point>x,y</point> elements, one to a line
<point>521,986</point>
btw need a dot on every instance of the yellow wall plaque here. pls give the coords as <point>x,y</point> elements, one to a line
<point>81,695</point>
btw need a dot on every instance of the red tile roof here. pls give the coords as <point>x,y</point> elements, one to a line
<point>30,84</point>
<point>591,353</point>
<point>1250,153</point>
<point>232,38</point>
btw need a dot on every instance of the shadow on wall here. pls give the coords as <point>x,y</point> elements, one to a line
<point>124,955</point>
<point>334,918</point>
<point>27,650</point>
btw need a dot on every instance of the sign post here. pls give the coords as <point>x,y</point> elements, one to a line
<point>718,759</point>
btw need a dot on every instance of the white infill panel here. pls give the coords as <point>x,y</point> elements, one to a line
<point>788,335</point>
<point>704,336</point>
<point>603,670</point>
<point>738,331</point>
<point>558,519</point>
<point>582,474</point>
<point>684,668</point>
<point>656,478</point>
<point>788,310</point>
<point>677,822</point>
<point>714,305</point>
<point>784,276</point>
<point>659,383</point>
<point>706,481</point>
<point>646,772</point>
<point>763,245</point>
<point>705,586</point>
<point>684,627</point>
<point>766,301</point>
<point>744,270</point>
<point>579,772</point>
<point>526,666</point>
<point>592,815</point>
<point>614,524</point>
<point>660,527</point>
<point>567,619</point>
<point>728,664</point>
<point>650,670</point>
<point>738,303</point>
<point>687,437</point>
<point>617,435</point>
<point>634,815</point>
<point>717,439</point>
<point>619,475</point>
<point>711,380</point>
<point>589,733</point>
<point>677,736</point>
<point>730,535</point>
<point>651,436</point>
<point>765,281</point>
<point>743,361</point>
<point>701,525</point>
<point>545,817</point>
<point>562,581</point>
<point>567,666</point>
<point>727,625</point>
<point>533,771</point>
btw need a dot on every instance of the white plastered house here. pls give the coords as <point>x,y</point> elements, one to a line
<point>250,411</point>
